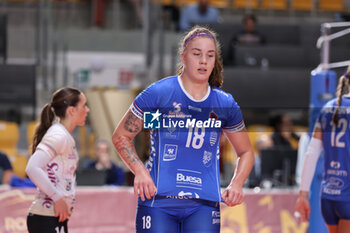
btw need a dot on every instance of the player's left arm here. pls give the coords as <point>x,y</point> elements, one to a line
<point>233,195</point>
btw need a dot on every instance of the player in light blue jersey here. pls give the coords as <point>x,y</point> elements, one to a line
<point>179,188</point>
<point>331,135</point>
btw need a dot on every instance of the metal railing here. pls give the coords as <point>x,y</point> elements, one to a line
<point>323,43</point>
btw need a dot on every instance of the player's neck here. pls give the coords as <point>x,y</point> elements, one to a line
<point>68,125</point>
<point>196,89</point>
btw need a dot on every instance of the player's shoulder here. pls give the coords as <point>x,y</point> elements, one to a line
<point>167,81</point>
<point>222,95</point>
<point>56,139</point>
<point>163,85</point>
<point>56,128</point>
<point>331,102</point>
<point>57,131</point>
<point>328,106</point>
<point>346,100</point>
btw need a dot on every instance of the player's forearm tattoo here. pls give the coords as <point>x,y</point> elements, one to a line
<point>127,150</point>
<point>131,123</point>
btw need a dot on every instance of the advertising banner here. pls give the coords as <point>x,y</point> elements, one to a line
<point>113,209</point>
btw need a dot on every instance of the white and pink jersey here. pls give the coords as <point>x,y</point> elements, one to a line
<point>59,143</point>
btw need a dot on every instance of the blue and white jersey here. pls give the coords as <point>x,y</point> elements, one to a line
<point>336,144</point>
<point>184,159</point>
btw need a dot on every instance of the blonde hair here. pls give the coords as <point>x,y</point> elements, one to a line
<point>215,78</point>
<point>342,88</point>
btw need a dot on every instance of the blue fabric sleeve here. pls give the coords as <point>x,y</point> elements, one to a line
<point>146,101</point>
<point>234,121</point>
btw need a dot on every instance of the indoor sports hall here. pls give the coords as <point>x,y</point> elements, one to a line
<point>281,72</point>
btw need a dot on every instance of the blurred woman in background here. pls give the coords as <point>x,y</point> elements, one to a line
<point>331,135</point>
<point>54,161</point>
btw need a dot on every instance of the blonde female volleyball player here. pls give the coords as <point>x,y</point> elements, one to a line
<point>54,161</point>
<point>331,135</point>
<point>179,188</point>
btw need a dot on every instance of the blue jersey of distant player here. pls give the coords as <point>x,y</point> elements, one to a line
<point>184,159</point>
<point>336,143</point>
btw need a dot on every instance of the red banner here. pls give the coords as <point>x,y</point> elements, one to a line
<point>113,209</point>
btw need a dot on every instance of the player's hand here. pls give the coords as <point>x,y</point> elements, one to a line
<point>302,207</point>
<point>144,186</point>
<point>61,209</point>
<point>233,195</point>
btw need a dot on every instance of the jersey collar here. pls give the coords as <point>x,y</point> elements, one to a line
<point>189,96</point>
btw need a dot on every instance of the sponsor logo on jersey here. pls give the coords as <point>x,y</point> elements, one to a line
<point>68,185</point>
<point>194,108</point>
<point>337,172</point>
<point>207,158</point>
<point>216,221</point>
<point>176,112</point>
<point>188,179</point>
<point>178,197</point>
<point>213,138</point>
<point>341,110</point>
<point>185,195</point>
<point>182,193</point>
<point>216,217</point>
<point>47,202</point>
<point>334,183</point>
<point>177,107</point>
<point>51,170</point>
<point>170,152</point>
<point>72,156</point>
<point>171,135</point>
<point>212,114</point>
<point>335,164</point>
<point>332,191</point>
<point>215,214</point>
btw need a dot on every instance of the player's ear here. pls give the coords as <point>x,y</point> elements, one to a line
<point>182,57</point>
<point>70,110</point>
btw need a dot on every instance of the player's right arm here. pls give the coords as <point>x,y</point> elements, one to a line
<point>302,206</point>
<point>122,138</point>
